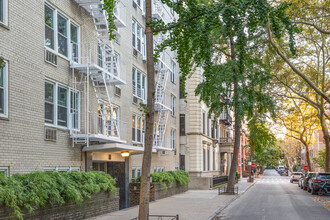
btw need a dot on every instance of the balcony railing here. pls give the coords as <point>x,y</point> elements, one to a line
<point>227,140</point>
<point>226,119</point>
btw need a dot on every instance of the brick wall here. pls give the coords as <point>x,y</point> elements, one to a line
<point>157,191</point>
<point>99,204</point>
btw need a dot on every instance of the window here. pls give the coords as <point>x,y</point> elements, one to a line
<point>4,171</point>
<point>204,116</point>
<point>182,95</point>
<point>159,169</point>
<point>208,158</point>
<point>60,102</point>
<point>204,159</point>
<point>4,12</point>
<point>138,37</point>
<point>99,166</point>
<point>212,129</point>
<point>4,89</point>
<point>62,169</point>
<point>208,126</point>
<point>60,31</point>
<point>139,84</point>
<point>138,129</point>
<point>136,172</point>
<point>182,124</point>
<point>173,105</point>
<point>109,119</point>
<point>213,158</point>
<point>172,71</point>
<point>173,139</point>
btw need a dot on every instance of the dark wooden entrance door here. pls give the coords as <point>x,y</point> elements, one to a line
<point>182,162</point>
<point>117,171</point>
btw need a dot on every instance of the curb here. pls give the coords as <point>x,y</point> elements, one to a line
<point>217,213</point>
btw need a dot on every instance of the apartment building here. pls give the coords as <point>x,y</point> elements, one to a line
<point>70,98</point>
<point>205,141</point>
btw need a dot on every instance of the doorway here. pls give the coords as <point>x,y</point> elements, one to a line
<point>117,171</point>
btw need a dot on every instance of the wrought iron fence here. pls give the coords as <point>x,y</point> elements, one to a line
<point>161,217</point>
<point>219,180</point>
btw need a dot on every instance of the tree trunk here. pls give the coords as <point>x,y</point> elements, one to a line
<point>326,136</point>
<point>233,167</point>
<point>145,177</point>
<point>250,166</point>
<point>309,164</point>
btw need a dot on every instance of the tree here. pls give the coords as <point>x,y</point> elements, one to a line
<point>308,69</point>
<point>228,39</point>
<point>148,109</point>
<point>291,149</point>
<point>300,122</point>
<point>260,138</point>
<point>320,159</point>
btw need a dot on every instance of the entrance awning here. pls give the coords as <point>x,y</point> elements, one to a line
<point>115,147</point>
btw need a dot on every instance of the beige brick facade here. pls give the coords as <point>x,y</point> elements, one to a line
<point>22,144</point>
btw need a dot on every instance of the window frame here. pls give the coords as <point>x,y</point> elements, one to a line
<point>182,124</point>
<point>5,13</point>
<point>5,170</point>
<point>68,110</point>
<point>173,139</point>
<point>173,105</point>
<point>5,68</point>
<point>136,171</point>
<point>135,84</point>
<point>173,64</point>
<point>141,37</point>
<point>69,22</point>
<point>141,120</point>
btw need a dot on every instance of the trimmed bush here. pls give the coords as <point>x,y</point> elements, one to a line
<point>167,178</point>
<point>28,192</point>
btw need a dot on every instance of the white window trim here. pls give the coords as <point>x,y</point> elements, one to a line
<point>173,71</point>
<point>59,169</point>
<point>143,90</point>
<point>159,169</point>
<point>142,38</point>
<point>69,89</point>
<point>141,119</point>
<point>136,169</point>
<point>5,13</point>
<point>5,170</point>
<point>173,107</point>
<point>5,87</point>
<point>173,139</point>
<point>142,6</point>
<point>69,21</point>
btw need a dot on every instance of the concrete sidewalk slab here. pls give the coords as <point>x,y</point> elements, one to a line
<point>191,205</point>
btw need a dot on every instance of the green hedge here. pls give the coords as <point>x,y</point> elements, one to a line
<point>31,191</point>
<point>169,177</point>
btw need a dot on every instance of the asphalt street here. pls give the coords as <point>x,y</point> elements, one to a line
<point>273,197</point>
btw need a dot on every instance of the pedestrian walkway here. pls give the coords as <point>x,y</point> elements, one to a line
<point>191,205</point>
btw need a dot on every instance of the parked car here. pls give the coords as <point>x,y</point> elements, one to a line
<point>304,182</point>
<point>295,176</point>
<point>301,180</point>
<point>316,181</point>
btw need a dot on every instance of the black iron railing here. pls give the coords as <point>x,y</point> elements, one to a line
<point>227,140</point>
<point>226,118</point>
<point>161,217</point>
<point>219,180</point>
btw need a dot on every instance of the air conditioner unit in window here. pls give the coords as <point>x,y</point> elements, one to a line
<point>50,57</point>
<point>135,52</point>
<point>117,91</point>
<point>135,100</point>
<point>50,134</point>
<point>144,58</point>
<point>134,4</point>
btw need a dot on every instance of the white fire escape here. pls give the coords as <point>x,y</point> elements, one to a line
<point>163,69</point>
<point>98,67</point>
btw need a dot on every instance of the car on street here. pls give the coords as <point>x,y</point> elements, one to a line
<point>316,181</point>
<point>304,182</point>
<point>295,176</point>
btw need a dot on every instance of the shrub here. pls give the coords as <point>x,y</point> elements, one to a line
<point>167,178</point>
<point>237,175</point>
<point>35,190</point>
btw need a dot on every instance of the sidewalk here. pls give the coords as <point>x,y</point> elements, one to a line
<point>191,205</point>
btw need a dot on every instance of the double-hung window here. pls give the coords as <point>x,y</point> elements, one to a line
<point>173,131</point>
<point>60,33</point>
<point>138,37</point>
<point>139,84</point>
<point>172,71</point>
<point>4,89</point>
<point>136,172</point>
<point>173,100</point>
<point>138,126</point>
<point>4,171</point>
<point>4,12</point>
<point>60,103</point>
<point>159,170</point>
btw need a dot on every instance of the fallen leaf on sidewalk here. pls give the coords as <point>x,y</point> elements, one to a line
<point>325,203</point>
